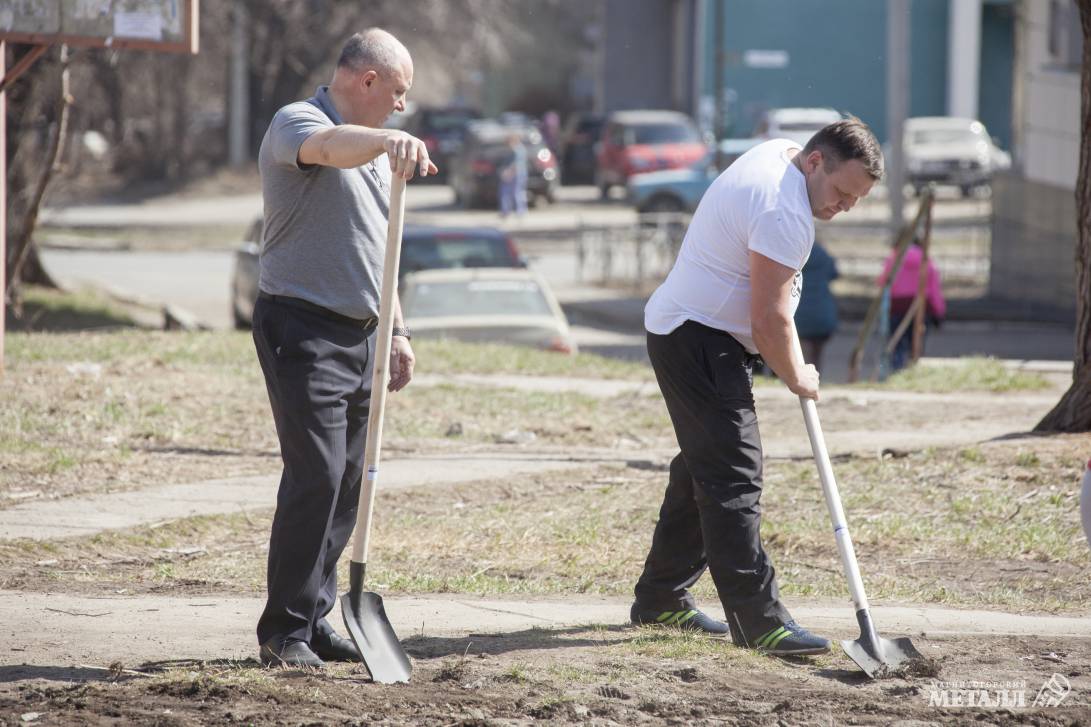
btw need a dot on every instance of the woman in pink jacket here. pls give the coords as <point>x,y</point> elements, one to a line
<point>903,291</point>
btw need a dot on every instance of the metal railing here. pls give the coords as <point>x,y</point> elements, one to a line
<point>630,254</point>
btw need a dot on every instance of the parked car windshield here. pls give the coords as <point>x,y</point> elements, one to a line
<point>664,134</point>
<point>945,136</point>
<point>455,252</point>
<point>478,298</point>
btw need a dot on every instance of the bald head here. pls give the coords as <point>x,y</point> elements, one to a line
<point>374,49</point>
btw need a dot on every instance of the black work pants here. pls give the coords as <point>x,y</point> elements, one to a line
<point>319,383</point>
<point>711,514</point>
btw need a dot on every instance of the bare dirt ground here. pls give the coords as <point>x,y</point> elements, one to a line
<point>606,674</point>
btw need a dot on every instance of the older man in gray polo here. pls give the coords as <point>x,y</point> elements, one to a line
<point>326,185</point>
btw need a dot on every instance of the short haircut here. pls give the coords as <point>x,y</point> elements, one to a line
<point>846,140</point>
<point>373,48</point>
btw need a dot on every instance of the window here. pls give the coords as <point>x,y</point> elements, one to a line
<point>1065,35</point>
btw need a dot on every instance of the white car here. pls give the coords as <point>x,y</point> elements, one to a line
<point>486,304</point>
<point>797,124</point>
<point>951,150</point>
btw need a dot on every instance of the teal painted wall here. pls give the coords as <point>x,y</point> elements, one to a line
<point>994,99</point>
<point>837,57</point>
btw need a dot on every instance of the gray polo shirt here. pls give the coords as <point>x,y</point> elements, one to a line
<point>325,228</point>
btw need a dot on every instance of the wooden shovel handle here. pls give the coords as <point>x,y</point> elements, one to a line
<point>381,377</point>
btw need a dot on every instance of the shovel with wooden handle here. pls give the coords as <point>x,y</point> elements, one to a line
<point>877,656</point>
<point>362,610</point>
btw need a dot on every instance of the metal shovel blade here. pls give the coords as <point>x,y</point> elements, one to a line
<point>879,657</point>
<point>370,629</point>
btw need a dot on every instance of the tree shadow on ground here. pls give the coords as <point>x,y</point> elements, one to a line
<point>60,314</point>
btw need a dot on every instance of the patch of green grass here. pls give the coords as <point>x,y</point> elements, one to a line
<point>573,674</point>
<point>1027,459</point>
<point>971,454</point>
<point>485,415</point>
<point>517,672</point>
<point>451,357</point>
<point>968,374</point>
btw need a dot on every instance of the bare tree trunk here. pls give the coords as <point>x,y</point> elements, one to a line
<point>24,250</point>
<point>1073,412</point>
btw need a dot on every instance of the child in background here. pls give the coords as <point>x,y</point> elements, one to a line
<point>902,292</point>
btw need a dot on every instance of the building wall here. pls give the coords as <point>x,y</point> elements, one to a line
<point>994,89</point>
<point>1034,207</point>
<point>836,57</point>
<point>1051,108</point>
<point>639,55</point>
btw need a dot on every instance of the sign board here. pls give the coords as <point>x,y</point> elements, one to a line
<point>165,25</point>
<point>765,58</point>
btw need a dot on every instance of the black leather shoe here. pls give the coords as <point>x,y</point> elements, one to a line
<point>293,654</point>
<point>333,647</point>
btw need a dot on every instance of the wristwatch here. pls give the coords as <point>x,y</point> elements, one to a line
<point>402,331</point>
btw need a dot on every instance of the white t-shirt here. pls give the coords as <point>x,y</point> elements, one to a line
<point>759,203</point>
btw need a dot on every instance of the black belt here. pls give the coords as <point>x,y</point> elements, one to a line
<point>368,324</point>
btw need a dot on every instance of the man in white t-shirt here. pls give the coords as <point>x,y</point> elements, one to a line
<point>731,297</point>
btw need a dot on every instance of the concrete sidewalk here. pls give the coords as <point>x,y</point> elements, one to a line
<point>86,515</point>
<point>62,630</point>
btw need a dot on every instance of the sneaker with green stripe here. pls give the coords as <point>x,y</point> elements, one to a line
<point>791,639</point>
<point>687,619</point>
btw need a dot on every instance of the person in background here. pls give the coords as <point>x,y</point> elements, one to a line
<point>902,292</point>
<point>816,317</point>
<point>551,130</point>
<point>513,178</point>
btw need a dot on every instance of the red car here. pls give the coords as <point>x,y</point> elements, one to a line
<point>634,142</point>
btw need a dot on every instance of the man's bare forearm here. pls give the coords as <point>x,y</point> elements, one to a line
<point>772,333</point>
<point>344,146</point>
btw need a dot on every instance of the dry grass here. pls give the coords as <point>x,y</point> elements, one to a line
<point>998,530</point>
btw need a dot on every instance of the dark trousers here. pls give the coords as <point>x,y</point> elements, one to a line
<point>711,514</point>
<point>902,354</point>
<point>319,382</point>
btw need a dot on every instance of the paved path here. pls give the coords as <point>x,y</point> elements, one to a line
<point>43,630</point>
<point>75,516</point>
<point>425,205</point>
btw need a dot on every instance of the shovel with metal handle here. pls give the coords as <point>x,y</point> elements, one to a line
<point>874,654</point>
<point>363,611</point>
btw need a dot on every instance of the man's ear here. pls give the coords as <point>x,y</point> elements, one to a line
<point>368,77</point>
<point>814,160</point>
